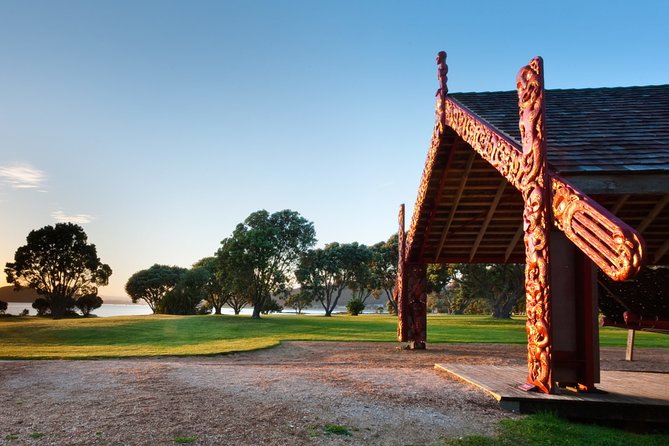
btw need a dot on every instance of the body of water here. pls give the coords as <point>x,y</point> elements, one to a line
<point>107,310</point>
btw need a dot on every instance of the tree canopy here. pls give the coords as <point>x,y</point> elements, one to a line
<point>385,256</point>
<point>265,249</point>
<point>152,284</point>
<point>325,272</point>
<point>59,263</point>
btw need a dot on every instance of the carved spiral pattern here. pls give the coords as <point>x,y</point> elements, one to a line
<point>536,222</point>
<point>614,247</point>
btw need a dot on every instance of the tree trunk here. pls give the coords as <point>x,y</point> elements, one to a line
<point>256,311</point>
<point>217,309</point>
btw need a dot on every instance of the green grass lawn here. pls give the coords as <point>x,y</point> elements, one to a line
<point>549,430</point>
<point>125,336</point>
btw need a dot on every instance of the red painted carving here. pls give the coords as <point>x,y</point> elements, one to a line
<point>442,74</point>
<point>399,292</point>
<point>614,247</point>
<point>534,186</point>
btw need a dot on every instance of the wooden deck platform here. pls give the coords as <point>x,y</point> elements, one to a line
<point>626,397</point>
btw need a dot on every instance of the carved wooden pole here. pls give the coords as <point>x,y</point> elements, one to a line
<point>416,291</point>
<point>535,188</point>
<point>400,282</point>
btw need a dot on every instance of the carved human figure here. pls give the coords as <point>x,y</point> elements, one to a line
<point>442,74</point>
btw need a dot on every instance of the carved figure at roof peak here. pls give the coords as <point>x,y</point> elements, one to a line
<point>442,74</point>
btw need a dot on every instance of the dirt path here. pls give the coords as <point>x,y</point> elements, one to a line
<point>281,396</point>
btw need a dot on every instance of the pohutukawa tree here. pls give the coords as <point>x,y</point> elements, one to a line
<point>265,249</point>
<point>384,268</point>
<point>151,285</point>
<point>59,263</point>
<point>326,272</point>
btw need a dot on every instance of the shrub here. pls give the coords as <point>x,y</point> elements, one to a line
<point>3,306</point>
<point>355,307</point>
<point>42,306</point>
<point>88,303</point>
<point>271,306</point>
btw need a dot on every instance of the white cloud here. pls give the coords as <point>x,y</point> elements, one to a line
<point>22,176</point>
<point>79,219</point>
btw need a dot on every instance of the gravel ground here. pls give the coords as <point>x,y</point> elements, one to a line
<point>287,395</point>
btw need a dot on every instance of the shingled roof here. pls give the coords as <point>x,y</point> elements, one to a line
<point>591,129</point>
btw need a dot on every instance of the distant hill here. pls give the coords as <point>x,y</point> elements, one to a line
<point>8,294</point>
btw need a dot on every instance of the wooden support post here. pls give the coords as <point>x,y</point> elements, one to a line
<point>629,353</point>
<point>416,288</point>
<point>574,309</point>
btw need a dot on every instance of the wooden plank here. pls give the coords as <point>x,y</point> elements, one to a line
<point>514,242</point>
<point>629,351</point>
<point>488,218</point>
<point>620,387</point>
<point>463,183</point>
<point>653,214</point>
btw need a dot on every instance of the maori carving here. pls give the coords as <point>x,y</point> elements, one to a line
<point>399,292</point>
<point>614,247</point>
<point>502,153</point>
<point>442,75</point>
<point>534,187</point>
<point>416,293</point>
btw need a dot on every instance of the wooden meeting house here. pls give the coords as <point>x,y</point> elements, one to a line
<point>568,182</point>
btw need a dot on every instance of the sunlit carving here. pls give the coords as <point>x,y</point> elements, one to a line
<point>534,187</point>
<point>614,247</point>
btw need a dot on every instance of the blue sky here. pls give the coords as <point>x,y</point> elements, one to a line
<point>160,125</point>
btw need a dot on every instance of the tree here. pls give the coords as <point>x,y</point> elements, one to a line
<point>3,306</point>
<point>187,295</point>
<point>152,284</point>
<point>237,302</point>
<point>502,286</point>
<point>299,301</point>
<point>214,291</point>
<point>326,272</point>
<point>385,256</point>
<point>59,263</point>
<point>363,281</point>
<point>88,303</point>
<point>265,249</point>
<point>446,292</point>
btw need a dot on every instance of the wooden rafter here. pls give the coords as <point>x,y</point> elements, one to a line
<point>437,199</point>
<point>488,218</point>
<point>620,203</point>
<point>661,251</point>
<point>514,241</point>
<point>654,213</point>
<point>458,196</point>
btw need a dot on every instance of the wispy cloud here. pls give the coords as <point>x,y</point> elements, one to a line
<point>79,219</point>
<point>22,176</point>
